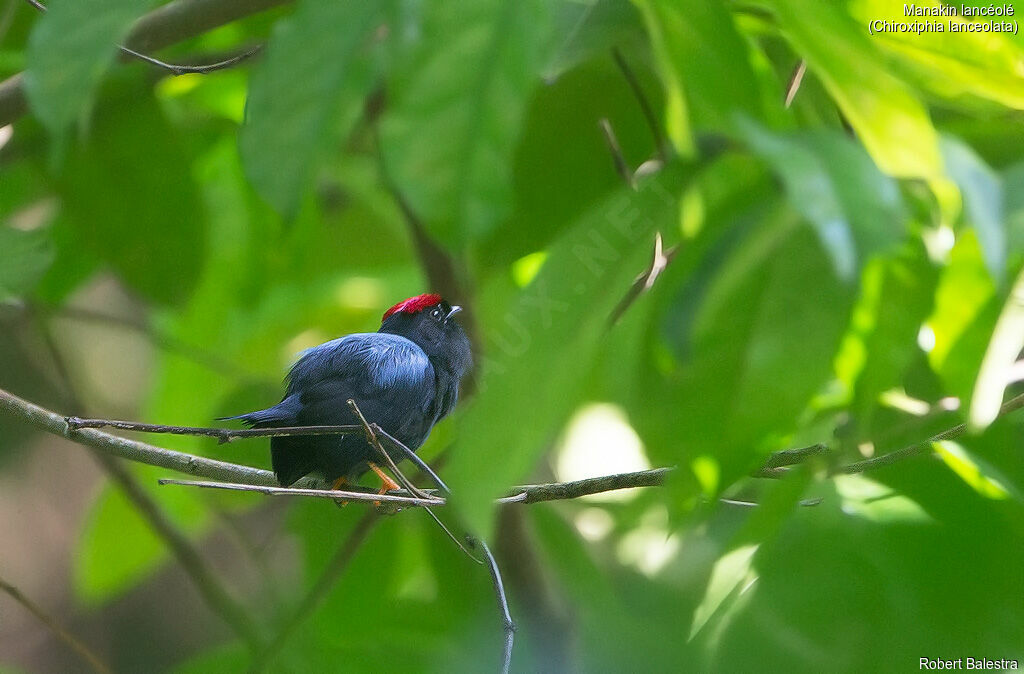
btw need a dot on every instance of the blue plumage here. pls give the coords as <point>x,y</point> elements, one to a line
<point>404,378</point>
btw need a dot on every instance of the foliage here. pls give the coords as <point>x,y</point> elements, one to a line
<point>842,270</point>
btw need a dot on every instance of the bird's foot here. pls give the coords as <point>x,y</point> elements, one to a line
<point>387,483</point>
<point>335,486</point>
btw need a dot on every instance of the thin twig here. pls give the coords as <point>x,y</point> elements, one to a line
<point>222,434</point>
<point>621,165</point>
<point>660,142</point>
<point>176,69</point>
<point>795,79</point>
<point>167,24</point>
<point>73,642</point>
<point>645,281</point>
<point>336,494</point>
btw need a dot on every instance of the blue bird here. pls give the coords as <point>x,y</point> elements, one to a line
<point>405,378</point>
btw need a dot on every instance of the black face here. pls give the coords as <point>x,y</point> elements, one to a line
<point>436,331</point>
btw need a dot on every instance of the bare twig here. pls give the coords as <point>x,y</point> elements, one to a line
<point>176,69</point>
<point>73,642</point>
<point>795,79</point>
<point>168,24</point>
<point>621,165</point>
<point>336,494</point>
<point>645,281</point>
<point>222,434</point>
<point>660,141</point>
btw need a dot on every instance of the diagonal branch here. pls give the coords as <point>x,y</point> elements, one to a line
<point>51,623</point>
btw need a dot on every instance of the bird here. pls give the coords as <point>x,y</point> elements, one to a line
<point>405,378</point>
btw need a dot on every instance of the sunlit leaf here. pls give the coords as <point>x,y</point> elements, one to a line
<point>952,62</point>
<point>980,478</point>
<point>70,48</point>
<point>310,80</point>
<point>455,109</point>
<point>1003,351</point>
<point>702,59</point>
<point>889,119</point>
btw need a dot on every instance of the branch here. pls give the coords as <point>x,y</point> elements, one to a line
<point>645,106</point>
<point>212,589</point>
<point>71,640</point>
<point>133,450</point>
<point>171,67</point>
<point>621,165</point>
<point>795,79</point>
<point>164,26</point>
<point>223,435</point>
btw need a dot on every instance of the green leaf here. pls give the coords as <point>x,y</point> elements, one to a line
<point>590,29</point>
<point>457,103</point>
<point>982,478</point>
<point>831,181</point>
<point>897,296</point>
<point>117,548</point>
<point>702,58</point>
<point>27,256</point>
<point>982,192</point>
<point>1002,352</point>
<point>966,309</point>
<point>542,347</point>
<point>889,119</point>
<point>310,74</point>
<point>147,224</point>
<point>951,64</point>
<point>70,48</point>
<point>774,303</point>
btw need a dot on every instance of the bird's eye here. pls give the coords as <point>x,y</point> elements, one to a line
<point>436,313</point>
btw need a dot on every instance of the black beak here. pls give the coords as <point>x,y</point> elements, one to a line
<point>454,310</point>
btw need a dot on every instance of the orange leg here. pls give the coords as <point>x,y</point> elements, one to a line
<point>388,483</point>
<point>338,484</point>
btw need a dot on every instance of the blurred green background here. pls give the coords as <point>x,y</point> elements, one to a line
<point>844,270</point>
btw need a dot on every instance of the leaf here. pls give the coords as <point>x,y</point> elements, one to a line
<point>147,224</point>
<point>981,477</point>
<point>731,577</point>
<point>982,192</point>
<point>457,104</point>
<point>588,30</point>
<point>117,548</point>
<point>897,296</point>
<point>69,49</point>
<point>702,58</point>
<point>540,349</point>
<point>854,207</point>
<point>774,302</point>
<point>310,74</point>
<point>1003,351</point>
<point>27,256</point>
<point>966,310</point>
<point>951,64</point>
<point>891,122</point>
